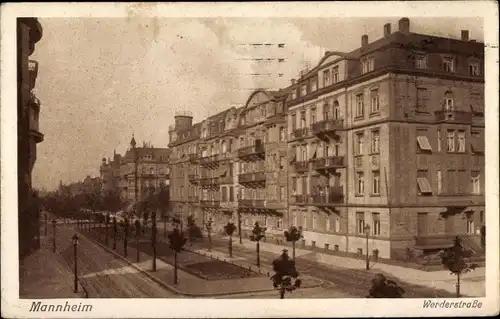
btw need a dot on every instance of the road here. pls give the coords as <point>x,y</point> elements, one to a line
<point>354,282</point>
<point>104,275</point>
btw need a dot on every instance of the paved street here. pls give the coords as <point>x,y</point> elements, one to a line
<point>105,276</point>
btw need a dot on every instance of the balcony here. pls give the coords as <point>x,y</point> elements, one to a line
<point>300,133</point>
<point>256,150</point>
<point>300,199</point>
<point>193,158</point>
<point>208,181</point>
<point>252,177</point>
<point>225,180</point>
<point>327,126</point>
<point>453,117</point>
<point>333,196</point>
<point>209,160</point>
<point>252,203</point>
<point>210,203</point>
<point>301,167</point>
<point>193,178</point>
<point>331,162</point>
<point>193,199</point>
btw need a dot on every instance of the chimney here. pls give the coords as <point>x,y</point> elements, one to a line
<point>404,25</point>
<point>364,40</point>
<point>465,35</point>
<point>387,29</point>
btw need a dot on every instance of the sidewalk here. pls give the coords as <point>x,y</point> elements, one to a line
<point>45,274</point>
<point>472,283</point>
<point>188,284</point>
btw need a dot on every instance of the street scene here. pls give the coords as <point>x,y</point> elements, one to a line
<point>223,158</point>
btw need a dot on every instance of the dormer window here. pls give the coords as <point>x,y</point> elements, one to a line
<point>448,64</point>
<point>335,75</point>
<point>367,65</point>
<point>294,94</point>
<point>303,90</point>
<point>474,69</point>
<point>421,61</point>
<point>314,84</point>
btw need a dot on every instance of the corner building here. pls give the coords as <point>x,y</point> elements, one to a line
<point>388,140</point>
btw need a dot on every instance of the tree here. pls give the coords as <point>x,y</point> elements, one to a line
<point>230,228</point>
<point>454,259</point>
<point>112,201</point>
<point>177,241</point>
<point>294,234</point>
<point>286,275</point>
<point>384,288</point>
<point>193,230</point>
<point>258,233</point>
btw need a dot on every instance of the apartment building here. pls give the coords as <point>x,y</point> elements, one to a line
<point>110,173</point>
<point>388,141</point>
<point>232,166</point>
<point>143,170</point>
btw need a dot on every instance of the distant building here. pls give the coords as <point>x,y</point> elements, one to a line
<point>110,174</point>
<point>143,170</point>
<point>29,32</point>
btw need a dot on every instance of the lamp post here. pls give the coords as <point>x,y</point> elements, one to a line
<point>106,223</point>
<point>54,222</point>
<point>75,244</point>
<point>114,233</point>
<point>367,233</point>
<point>137,234</point>
<point>153,237</point>
<point>125,232</point>
<point>239,219</point>
<point>45,216</point>
<point>208,225</point>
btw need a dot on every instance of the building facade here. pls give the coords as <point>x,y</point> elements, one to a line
<point>381,145</point>
<point>29,32</point>
<point>110,174</point>
<point>389,143</point>
<point>143,171</point>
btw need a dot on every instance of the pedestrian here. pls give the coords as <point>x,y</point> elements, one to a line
<point>384,288</point>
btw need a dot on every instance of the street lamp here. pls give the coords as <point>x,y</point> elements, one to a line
<point>239,218</point>
<point>54,222</point>
<point>125,232</point>
<point>137,234</point>
<point>45,216</point>
<point>153,237</point>
<point>208,225</point>
<point>75,244</point>
<point>367,233</point>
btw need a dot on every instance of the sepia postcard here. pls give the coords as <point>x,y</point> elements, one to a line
<point>200,160</point>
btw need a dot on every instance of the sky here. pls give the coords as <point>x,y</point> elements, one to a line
<point>101,80</point>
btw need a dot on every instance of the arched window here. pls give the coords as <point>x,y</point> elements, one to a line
<point>224,147</point>
<point>448,101</point>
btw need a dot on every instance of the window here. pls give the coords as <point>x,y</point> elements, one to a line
<point>337,224</point>
<point>360,106</point>
<point>294,94</point>
<point>448,103</point>
<point>376,224</point>
<point>279,223</point>
<point>336,110</point>
<point>328,223</point>
<point>314,221</point>
<point>335,74</point>
<point>375,183</point>
<point>282,162</point>
<point>282,193</point>
<point>424,188</point>
<point>448,65</point>
<point>422,98</point>
<point>367,65</point>
<point>295,221</point>
<point>313,115</point>
<point>360,222</point>
<point>314,84</point>
<point>477,143</point>
<point>374,101</point>
<point>470,224</point>
<point>474,69</point>
<point>231,194</point>
<point>375,145</point>
<point>302,119</point>
<point>294,121</point>
<point>294,185</point>
<point>359,144</point>
<point>304,221</point>
<point>475,181</point>
<point>303,89</point>
<point>461,141</point>
<point>326,78</point>
<point>360,183</point>
<point>438,136</point>
<point>282,134</point>
<point>422,141</point>
<point>421,61</point>
<point>224,194</point>
<point>451,141</point>
<point>439,178</point>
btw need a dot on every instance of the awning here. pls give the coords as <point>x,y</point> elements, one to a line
<point>423,185</point>
<point>423,143</point>
<point>477,145</point>
<point>314,149</point>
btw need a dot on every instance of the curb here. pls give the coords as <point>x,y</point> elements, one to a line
<point>175,290</point>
